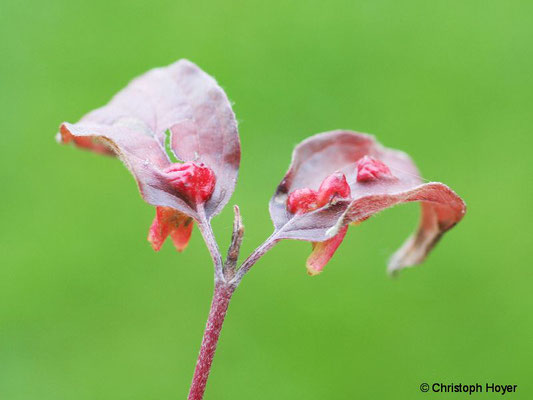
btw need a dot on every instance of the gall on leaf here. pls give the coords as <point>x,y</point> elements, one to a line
<point>195,182</point>
<point>378,178</point>
<point>369,170</point>
<point>187,102</point>
<point>302,201</point>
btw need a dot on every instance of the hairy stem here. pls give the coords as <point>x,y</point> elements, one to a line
<point>254,257</point>
<point>210,241</point>
<point>217,313</point>
<point>221,297</point>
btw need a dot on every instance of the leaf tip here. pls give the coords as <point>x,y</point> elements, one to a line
<point>311,270</point>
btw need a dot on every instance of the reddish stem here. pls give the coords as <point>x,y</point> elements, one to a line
<point>219,306</point>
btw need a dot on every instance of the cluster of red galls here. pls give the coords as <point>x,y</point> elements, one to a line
<point>335,186</point>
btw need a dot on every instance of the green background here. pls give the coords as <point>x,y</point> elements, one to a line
<point>89,311</point>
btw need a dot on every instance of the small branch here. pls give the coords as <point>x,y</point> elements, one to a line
<point>210,241</point>
<point>235,247</point>
<point>219,305</point>
<point>254,257</point>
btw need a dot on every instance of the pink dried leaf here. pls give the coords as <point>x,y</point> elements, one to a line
<point>180,98</point>
<point>386,177</point>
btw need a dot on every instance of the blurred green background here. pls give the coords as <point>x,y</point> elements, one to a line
<point>89,311</point>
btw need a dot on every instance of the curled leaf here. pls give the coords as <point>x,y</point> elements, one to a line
<point>184,100</point>
<point>378,177</point>
<point>441,210</point>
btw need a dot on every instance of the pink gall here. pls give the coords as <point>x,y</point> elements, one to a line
<point>302,201</point>
<point>305,200</point>
<point>195,182</point>
<point>369,169</point>
<point>334,186</point>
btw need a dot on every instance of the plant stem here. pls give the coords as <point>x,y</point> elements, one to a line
<point>254,257</point>
<point>210,241</point>
<point>221,298</point>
